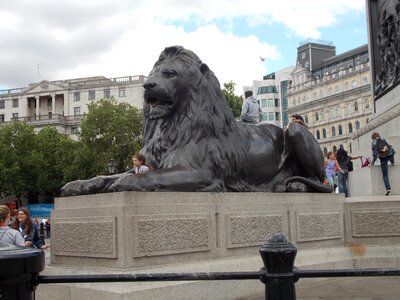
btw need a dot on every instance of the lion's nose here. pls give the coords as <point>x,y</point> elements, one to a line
<point>149,85</point>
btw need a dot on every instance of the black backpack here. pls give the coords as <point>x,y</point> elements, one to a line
<point>383,147</point>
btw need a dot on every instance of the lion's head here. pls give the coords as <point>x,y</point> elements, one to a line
<point>184,104</point>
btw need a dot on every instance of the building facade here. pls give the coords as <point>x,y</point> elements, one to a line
<point>271,92</point>
<point>331,92</point>
<point>62,103</point>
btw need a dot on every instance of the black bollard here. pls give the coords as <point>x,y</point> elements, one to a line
<point>19,266</point>
<point>278,256</point>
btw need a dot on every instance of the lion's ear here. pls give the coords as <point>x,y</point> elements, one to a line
<point>204,68</point>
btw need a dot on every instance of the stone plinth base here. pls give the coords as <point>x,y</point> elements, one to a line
<point>330,233</point>
<point>369,181</point>
<point>134,229</point>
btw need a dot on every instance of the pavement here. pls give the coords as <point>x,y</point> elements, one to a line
<point>364,288</point>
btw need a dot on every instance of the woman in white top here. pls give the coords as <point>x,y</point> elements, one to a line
<point>8,234</point>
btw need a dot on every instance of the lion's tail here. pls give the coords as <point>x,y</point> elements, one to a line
<point>317,186</point>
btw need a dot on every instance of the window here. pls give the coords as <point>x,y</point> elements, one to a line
<point>266,90</point>
<point>74,130</point>
<point>77,96</point>
<point>92,95</point>
<point>306,118</point>
<point>357,125</point>
<point>15,116</point>
<point>264,117</point>
<point>270,102</point>
<point>318,135</point>
<point>354,84</point>
<point>277,102</point>
<point>316,116</point>
<point>1,118</point>
<point>325,151</point>
<point>334,149</point>
<point>49,103</point>
<point>350,128</point>
<point>264,103</point>
<point>346,86</point>
<point>107,94</point>
<point>340,129</point>
<point>77,111</point>
<point>366,101</point>
<point>324,133</point>
<point>355,106</point>
<point>14,103</point>
<point>122,92</point>
<point>336,89</point>
<point>333,131</point>
<point>277,116</point>
<point>2,105</point>
<point>365,80</point>
<point>271,116</point>
<point>50,115</point>
<point>322,115</point>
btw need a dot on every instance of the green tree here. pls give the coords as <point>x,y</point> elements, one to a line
<point>235,102</point>
<point>111,130</point>
<point>20,162</point>
<point>53,149</point>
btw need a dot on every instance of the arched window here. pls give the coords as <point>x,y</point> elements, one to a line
<point>350,128</point>
<point>340,130</point>
<point>325,151</point>
<point>318,135</point>
<point>324,133</point>
<point>333,131</point>
<point>357,125</point>
<point>334,149</point>
<point>355,106</point>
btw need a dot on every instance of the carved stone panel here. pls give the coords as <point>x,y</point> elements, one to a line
<point>86,237</point>
<point>245,230</point>
<point>161,235</point>
<point>384,33</point>
<point>377,223</point>
<point>319,226</point>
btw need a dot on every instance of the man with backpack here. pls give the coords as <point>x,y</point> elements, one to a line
<point>385,152</point>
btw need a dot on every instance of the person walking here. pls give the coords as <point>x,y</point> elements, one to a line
<point>331,166</point>
<point>344,161</point>
<point>251,110</point>
<point>8,234</point>
<point>381,149</point>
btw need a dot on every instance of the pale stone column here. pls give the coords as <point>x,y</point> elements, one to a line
<point>37,107</point>
<point>53,104</point>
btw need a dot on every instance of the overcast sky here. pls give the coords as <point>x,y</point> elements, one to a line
<point>82,38</point>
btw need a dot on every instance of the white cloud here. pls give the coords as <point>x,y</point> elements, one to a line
<point>87,38</point>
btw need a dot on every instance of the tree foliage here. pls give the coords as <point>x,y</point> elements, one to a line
<point>40,164</point>
<point>235,102</point>
<point>111,130</point>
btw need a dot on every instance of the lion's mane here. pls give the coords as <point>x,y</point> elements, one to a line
<point>200,132</point>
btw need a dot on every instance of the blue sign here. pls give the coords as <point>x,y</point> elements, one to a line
<point>41,210</point>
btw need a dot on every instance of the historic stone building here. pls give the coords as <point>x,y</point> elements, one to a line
<point>62,103</point>
<point>332,92</point>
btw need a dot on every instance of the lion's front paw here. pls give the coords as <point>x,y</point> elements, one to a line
<point>127,182</point>
<point>82,187</point>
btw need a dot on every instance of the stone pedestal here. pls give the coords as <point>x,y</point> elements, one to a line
<point>134,229</point>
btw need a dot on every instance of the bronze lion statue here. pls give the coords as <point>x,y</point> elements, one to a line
<point>192,141</point>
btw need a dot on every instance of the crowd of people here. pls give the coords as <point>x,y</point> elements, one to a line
<point>22,231</point>
<point>339,164</point>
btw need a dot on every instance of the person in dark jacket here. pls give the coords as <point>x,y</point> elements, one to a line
<point>344,161</point>
<point>384,156</point>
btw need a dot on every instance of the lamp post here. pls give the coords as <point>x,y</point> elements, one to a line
<point>111,167</point>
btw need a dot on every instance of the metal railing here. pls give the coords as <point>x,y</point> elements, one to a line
<point>278,273</point>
